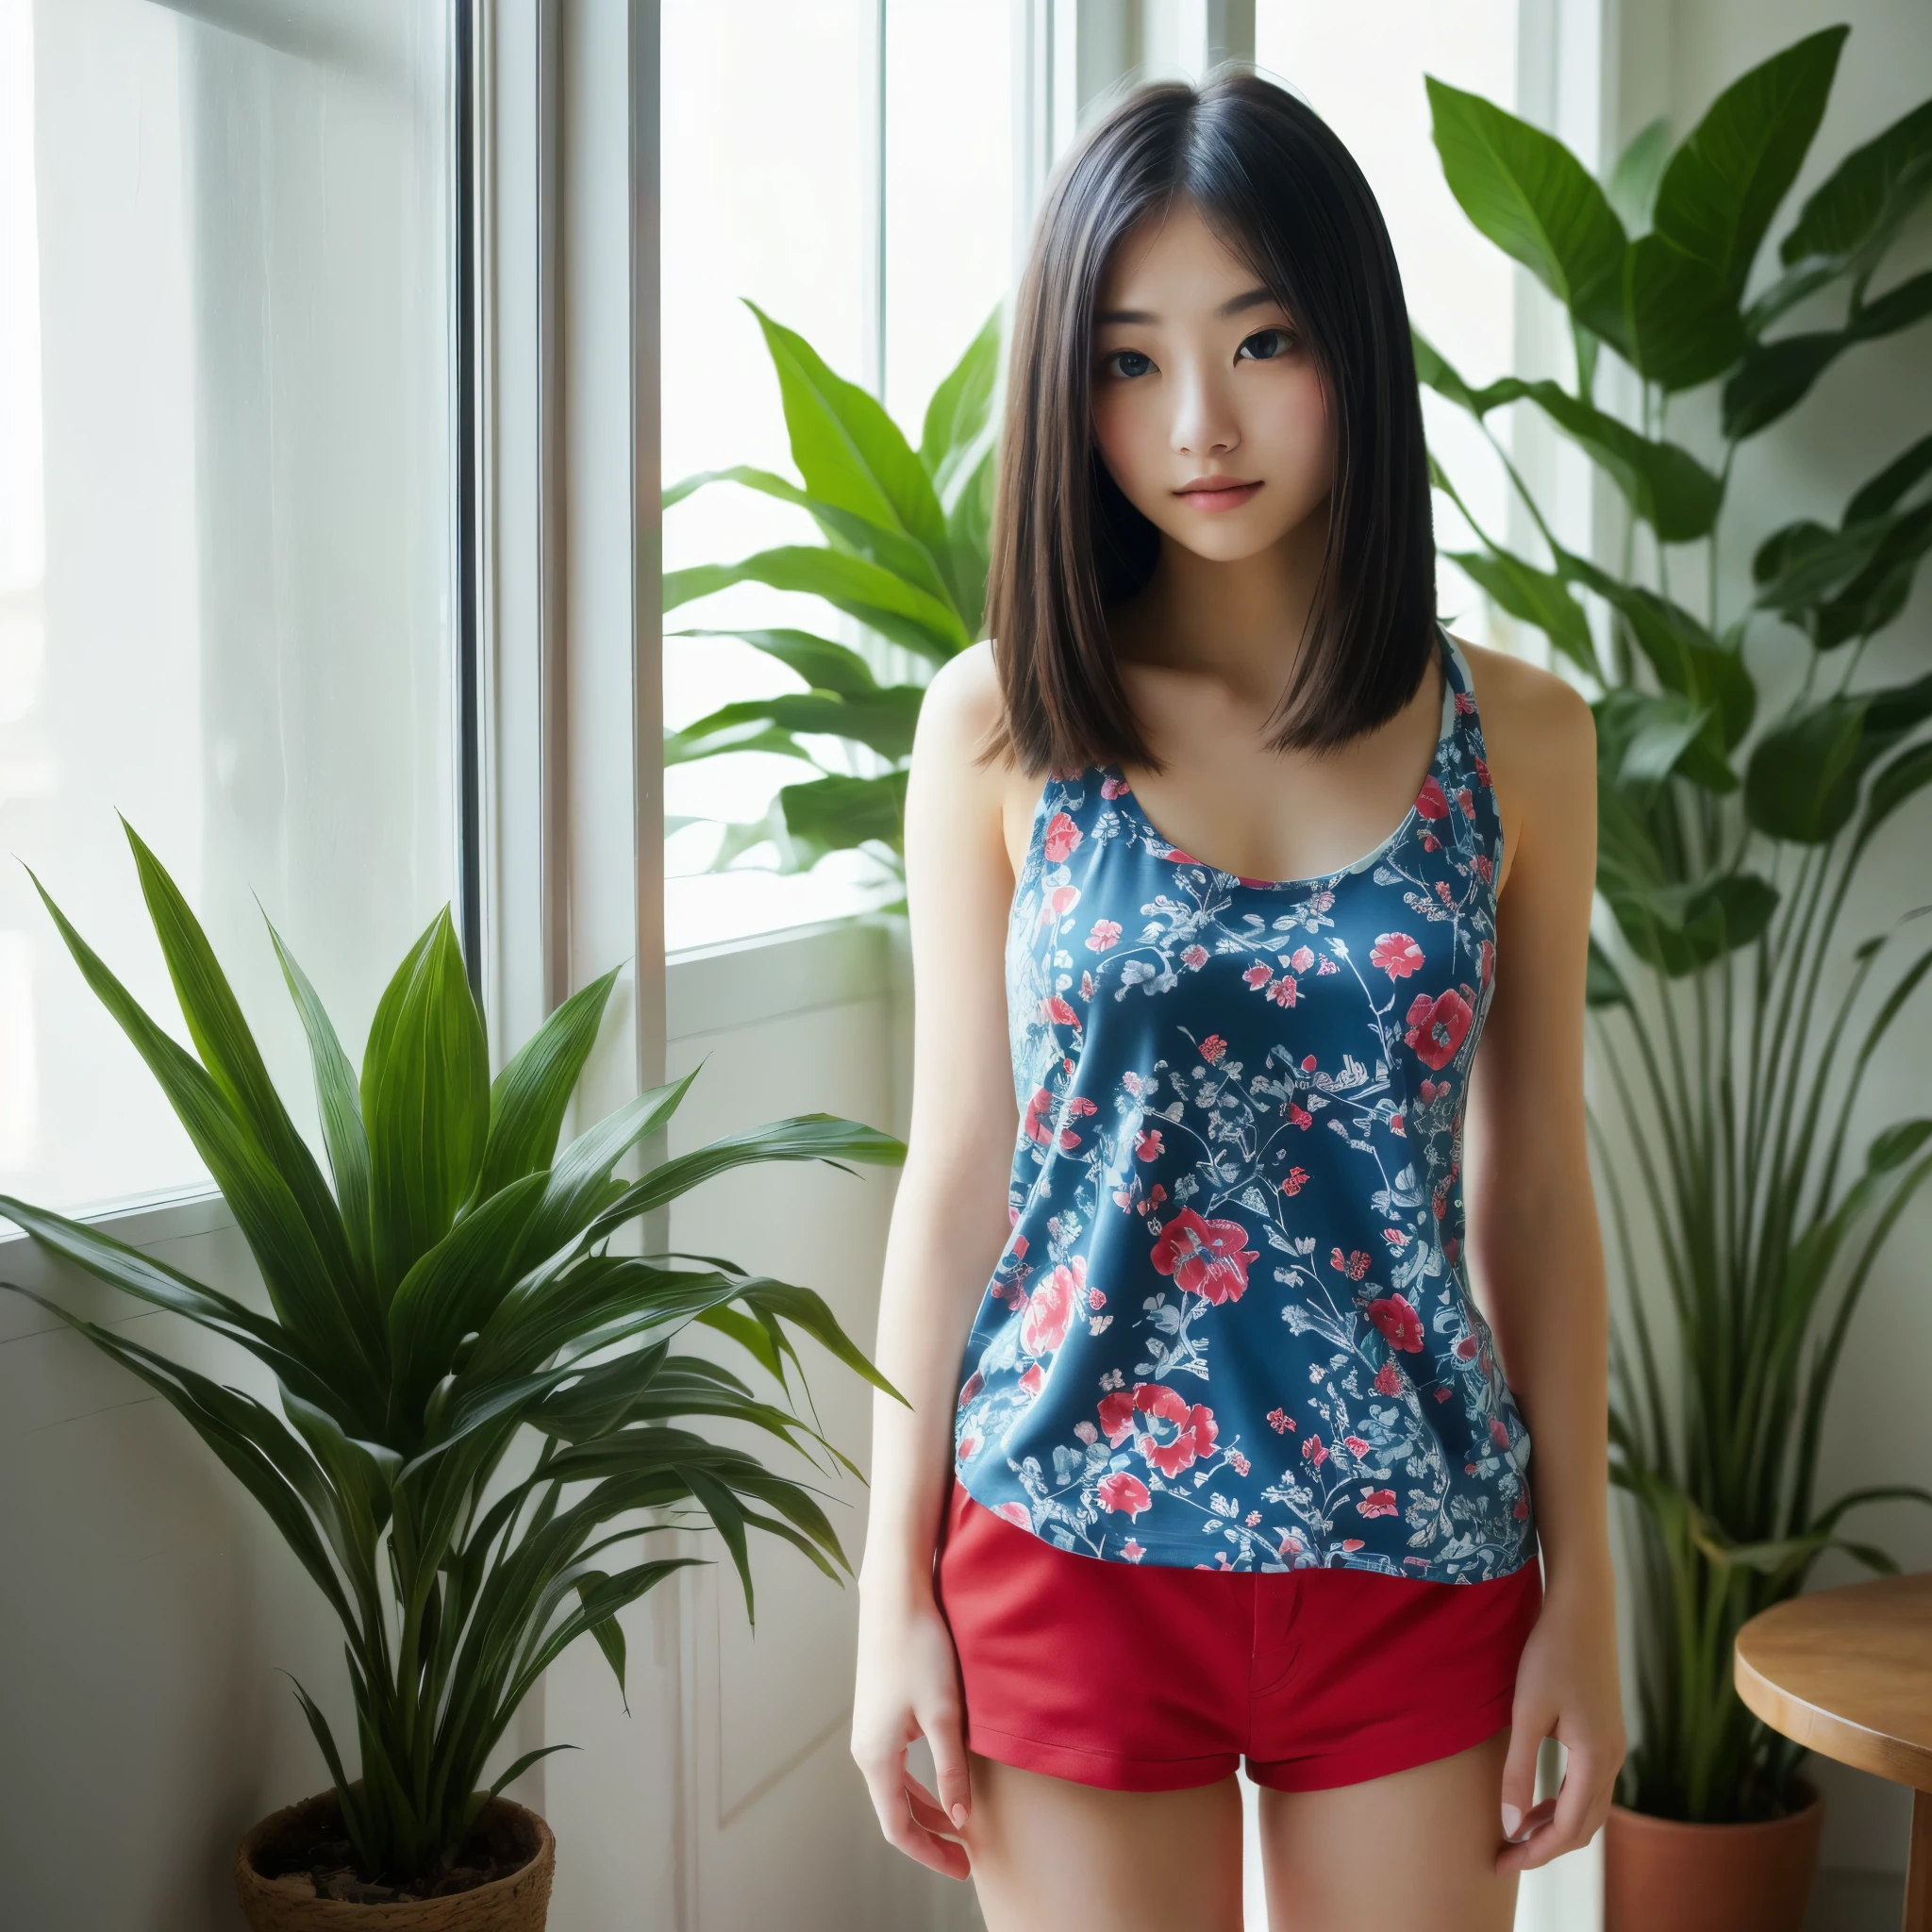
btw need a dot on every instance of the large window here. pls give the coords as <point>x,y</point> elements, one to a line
<point>847,166</point>
<point>227,585</point>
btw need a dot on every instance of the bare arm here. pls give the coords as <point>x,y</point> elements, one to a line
<point>949,1225</point>
<point>1536,1249</point>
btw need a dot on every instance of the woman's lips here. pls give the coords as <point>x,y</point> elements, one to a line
<point>1217,495</point>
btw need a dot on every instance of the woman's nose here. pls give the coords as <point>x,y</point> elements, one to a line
<point>1204,423</point>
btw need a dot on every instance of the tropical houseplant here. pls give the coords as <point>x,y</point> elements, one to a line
<point>905,555</point>
<point>479,1400</point>
<point>1725,857</point>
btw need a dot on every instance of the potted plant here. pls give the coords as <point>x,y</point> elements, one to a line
<point>480,1408</point>
<point>1725,867</point>
<point>906,535</point>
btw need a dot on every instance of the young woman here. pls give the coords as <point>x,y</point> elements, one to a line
<point>1210,1453</point>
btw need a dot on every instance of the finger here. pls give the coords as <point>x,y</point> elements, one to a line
<point>893,1801</point>
<point>1519,1856</point>
<point>1575,1798</point>
<point>946,1733</point>
<point>1570,1823</point>
<point>1519,1774</point>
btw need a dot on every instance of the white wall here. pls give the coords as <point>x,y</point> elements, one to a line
<point>1674,57</point>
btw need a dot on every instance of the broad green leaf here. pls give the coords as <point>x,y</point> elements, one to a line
<point>1866,198</point>
<point>1802,565</point>
<point>529,1099</point>
<point>876,596</point>
<point>836,814</point>
<point>1631,189</point>
<point>308,1300</point>
<point>152,1281</point>
<point>882,720</point>
<point>957,418</point>
<point>799,1136</point>
<point>1684,655</point>
<point>1680,319</point>
<point>1724,185</point>
<point>1891,483</point>
<point>1879,592</point>
<point>254,1443</point>
<point>969,534</point>
<point>1678,928</point>
<point>452,1290</point>
<point>1533,596</point>
<point>1775,376</point>
<point>1801,782</point>
<point>1902,779</point>
<point>1645,738</point>
<point>227,1050</point>
<point>1663,483</point>
<point>822,665</point>
<point>1434,371</point>
<point>425,1102</point>
<point>580,1178</point>
<point>887,546</point>
<point>848,450</point>
<point>339,1102</point>
<point>1535,200</point>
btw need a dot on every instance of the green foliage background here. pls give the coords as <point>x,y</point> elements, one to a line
<point>1725,854</point>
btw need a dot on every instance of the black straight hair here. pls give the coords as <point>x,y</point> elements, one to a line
<point>1274,181</point>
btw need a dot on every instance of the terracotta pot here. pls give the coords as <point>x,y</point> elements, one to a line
<point>519,1902</point>
<point>1663,1876</point>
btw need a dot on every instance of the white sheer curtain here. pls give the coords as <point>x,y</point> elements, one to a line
<point>225,530</point>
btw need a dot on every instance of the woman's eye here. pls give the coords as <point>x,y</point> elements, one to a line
<point>1128,363</point>
<point>1265,345</point>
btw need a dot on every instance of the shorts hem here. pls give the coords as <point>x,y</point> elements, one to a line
<point>1383,1756</point>
<point>1111,1771</point>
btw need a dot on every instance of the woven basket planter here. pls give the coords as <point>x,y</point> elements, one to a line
<point>517,1903</point>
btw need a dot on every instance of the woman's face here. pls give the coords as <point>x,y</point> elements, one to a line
<point>1207,408</point>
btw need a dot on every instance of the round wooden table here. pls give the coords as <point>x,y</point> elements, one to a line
<point>1848,1672</point>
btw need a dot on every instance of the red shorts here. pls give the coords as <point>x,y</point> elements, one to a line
<point>1159,1678</point>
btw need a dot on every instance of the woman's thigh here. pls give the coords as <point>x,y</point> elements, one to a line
<point>1417,1847</point>
<point>1050,1855</point>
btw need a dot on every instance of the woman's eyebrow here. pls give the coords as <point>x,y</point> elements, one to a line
<point>1254,298</point>
<point>1143,318</point>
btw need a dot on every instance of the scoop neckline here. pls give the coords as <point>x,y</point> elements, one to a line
<point>1176,854</point>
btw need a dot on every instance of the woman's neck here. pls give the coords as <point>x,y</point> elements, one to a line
<point>1239,623</point>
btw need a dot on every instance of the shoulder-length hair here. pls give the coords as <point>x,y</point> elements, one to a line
<point>1274,181</point>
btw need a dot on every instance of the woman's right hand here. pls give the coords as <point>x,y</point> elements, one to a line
<point>909,1686</point>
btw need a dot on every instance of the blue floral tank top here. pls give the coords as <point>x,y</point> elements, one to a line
<point>1231,1327</point>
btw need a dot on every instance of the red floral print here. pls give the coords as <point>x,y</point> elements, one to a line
<point>1435,1028</point>
<point>1397,954</point>
<point>1122,1490</point>
<point>1397,1319</point>
<point>1206,1258</point>
<point>1194,1427</point>
<point>1050,1307</point>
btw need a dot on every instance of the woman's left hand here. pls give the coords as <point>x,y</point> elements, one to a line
<point>1566,1688</point>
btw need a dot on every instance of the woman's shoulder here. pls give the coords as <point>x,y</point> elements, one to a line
<point>1520,701</point>
<point>959,718</point>
<point>1539,741</point>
